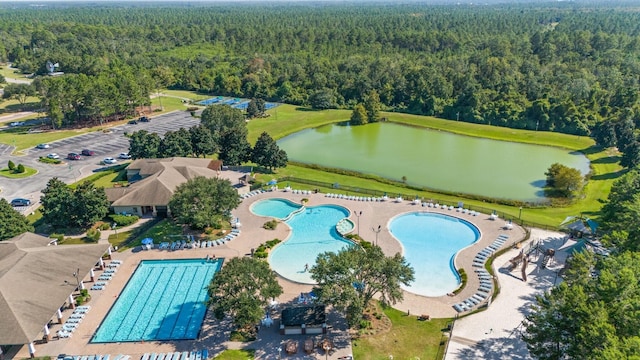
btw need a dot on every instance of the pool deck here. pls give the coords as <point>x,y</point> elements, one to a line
<point>215,333</point>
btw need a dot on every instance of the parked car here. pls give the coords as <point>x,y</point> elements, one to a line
<point>43,146</point>
<point>20,202</point>
<point>144,119</point>
<point>87,152</point>
<point>53,156</point>
<point>124,156</point>
<point>109,160</point>
<point>73,156</point>
<point>132,122</point>
<point>17,123</point>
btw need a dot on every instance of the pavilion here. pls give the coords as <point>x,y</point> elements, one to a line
<point>37,281</point>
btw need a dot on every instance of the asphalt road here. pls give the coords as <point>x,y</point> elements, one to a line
<point>104,145</point>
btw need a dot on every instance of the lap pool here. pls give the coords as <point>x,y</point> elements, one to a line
<point>313,231</point>
<point>163,300</point>
<point>430,243</point>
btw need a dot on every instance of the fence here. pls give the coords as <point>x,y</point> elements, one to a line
<point>377,193</point>
<point>442,350</point>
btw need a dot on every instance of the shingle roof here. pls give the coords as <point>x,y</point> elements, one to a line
<point>161,177</point>
<point>32,282</point>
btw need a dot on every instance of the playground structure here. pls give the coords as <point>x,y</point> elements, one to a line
<point>522,258</point>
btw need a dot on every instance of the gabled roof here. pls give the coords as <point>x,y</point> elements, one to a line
<point>161,177</point>
<point>32,282</point>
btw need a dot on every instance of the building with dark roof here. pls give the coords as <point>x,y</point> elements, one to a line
<point>310,319</point>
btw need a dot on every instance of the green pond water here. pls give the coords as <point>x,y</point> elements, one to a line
<point>433,159</point>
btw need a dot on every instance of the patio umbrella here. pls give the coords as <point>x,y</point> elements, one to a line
<point>147,241</point>
<point>272,182</point>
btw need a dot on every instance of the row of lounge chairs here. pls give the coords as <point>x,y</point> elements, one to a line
<point>101,357</point>
<point>252,193</point>
<point>106,275</point>
<point>451,208</point>
<point>356,198</point>
<point>486,280</point>
<point>185,355</point>
<point>73,322</point>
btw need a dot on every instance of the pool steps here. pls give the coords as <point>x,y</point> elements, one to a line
<point>485,286</point>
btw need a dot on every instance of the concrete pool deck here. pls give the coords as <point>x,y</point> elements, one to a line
<point>214,333</point>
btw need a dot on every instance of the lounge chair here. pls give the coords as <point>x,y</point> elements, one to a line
<point>184,355</point>
<point>176,356</point>
<point>69,327</point>
<point>76,316</point>
<point>161,356</point>
<point>205,354</point>
<point>73,321</point>
<point>96,287</point>
<point>64,334</point>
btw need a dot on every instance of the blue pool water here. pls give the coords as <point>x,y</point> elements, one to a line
<point>313,231</point>
<point>277,208</point>
<point>430,243</point>
<point>163,300</point>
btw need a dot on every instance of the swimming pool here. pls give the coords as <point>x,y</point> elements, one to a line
<point>163,300</point>
<point>430,243</point>
<point>277,208</point>
<point>313,231</point>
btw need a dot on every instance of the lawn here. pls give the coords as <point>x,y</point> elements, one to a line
<point>11,73</point>
<point>13,175</point>
<point>159,232</point>
<point>10,106</point>
<point>191,95</point>
<point>236,355</point>
<point>169,103</point>
<point>407,338</point>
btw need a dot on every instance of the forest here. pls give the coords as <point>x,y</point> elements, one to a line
<point>564,67</point>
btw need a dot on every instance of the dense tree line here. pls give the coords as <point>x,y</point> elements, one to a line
<point>564,68</point>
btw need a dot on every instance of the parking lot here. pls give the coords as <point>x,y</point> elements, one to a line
<point>104,145</point>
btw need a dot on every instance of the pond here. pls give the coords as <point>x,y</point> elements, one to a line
<point>433,159</point>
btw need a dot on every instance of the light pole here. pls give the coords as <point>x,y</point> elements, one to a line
<point>377,231</point>
<point>358,216</point>
<point>114,228</point>
<point>520,215</point>
<point>77,276</point>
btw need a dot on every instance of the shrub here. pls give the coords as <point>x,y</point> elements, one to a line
<point>11,165</point>
<point>20,169</point>
<point>104,226</point>
<point>272,243</point>
<point>58,237</point>
<point>93,234</point>
<point>124,220</point>
<point>270,225</point>
<point>192,108</point>
<point>46,160</point>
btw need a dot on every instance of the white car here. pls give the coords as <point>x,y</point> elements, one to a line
<point>43,146</point>
<point>124,156</point>
<point>17,123</point>
<point>109,160</point>
<point>53,156</point>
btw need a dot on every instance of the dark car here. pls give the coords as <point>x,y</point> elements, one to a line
<point>144,119</point>
<point>20,202</point>
<point>73,156</point>
<point>133,122</point>
<point>87,152</point>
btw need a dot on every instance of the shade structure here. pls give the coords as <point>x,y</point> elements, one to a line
<point>147,241</point>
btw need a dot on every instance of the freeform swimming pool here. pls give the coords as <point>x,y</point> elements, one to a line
<point>430,243</point>
<point>163,300</point>
<point>313,231</point>
<point>277,208</point>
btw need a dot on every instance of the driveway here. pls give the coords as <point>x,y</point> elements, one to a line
<point>104,145</point>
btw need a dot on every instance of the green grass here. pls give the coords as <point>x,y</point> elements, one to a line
<point>10,106</point>
<point>288,119</point>
<point>12,175</point>
<point>192,95</point>
<point>169,104</point>
<point>159,232</point>
<point>236,355</point>
<point>11,73</point>
<point>408,338</point>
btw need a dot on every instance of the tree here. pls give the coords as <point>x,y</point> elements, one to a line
<point>631,155</point>
<point>201,141</point>
<point>372,105</point>
<point>359,115</point>
<point>144,145</point>
<point>255,108</point>
<point>266,153</point>
<point>229,130</point>
<point>19,92</point>
<point>79,207</point>
<point>176,143</point>
<point>11,165</point>
<point>89,205</point>
<point>242,289</point>
<point>12,223</point>
<point>621,209</point>
<point>564,180</point>
<point>57,203</point>
<point>202,202</point>
<point>323,99</point>
<point>20,169</point>
<point>350,279</point>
